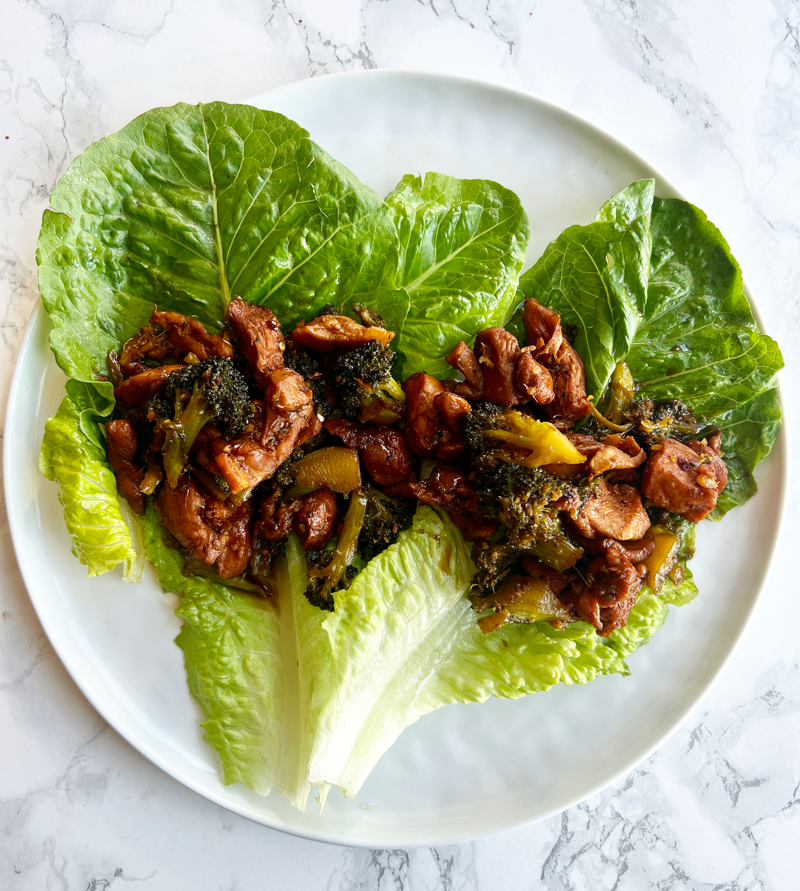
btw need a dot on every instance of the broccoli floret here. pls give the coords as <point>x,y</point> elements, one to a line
<point>365,386</point>
<point>311,368</point>
<point>262,560</point>
<point>527,501</point>
<point>654,421</point>
<point>495,436</point>
<point>387,516</point>
<point>494,560</point>
<point>647,420</point>
<point>209,391</point>
<point>482,450</point>
<point>507,448</point>
<point>328,574</point>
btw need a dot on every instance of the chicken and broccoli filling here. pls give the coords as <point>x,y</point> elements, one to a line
<point>245,437</point>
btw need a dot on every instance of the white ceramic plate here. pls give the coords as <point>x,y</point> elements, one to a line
<point>464,771</point>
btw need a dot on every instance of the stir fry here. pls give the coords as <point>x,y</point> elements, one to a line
<point>245,437</point>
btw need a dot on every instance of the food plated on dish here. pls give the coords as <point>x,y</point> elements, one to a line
<point>527,426</point>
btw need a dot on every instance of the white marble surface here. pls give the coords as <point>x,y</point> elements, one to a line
<point>710,93</point>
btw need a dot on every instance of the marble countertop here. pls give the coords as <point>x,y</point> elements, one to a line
<point>709,95</point>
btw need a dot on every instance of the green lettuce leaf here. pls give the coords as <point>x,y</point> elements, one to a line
<point>257,666</point>
<point>462,246</point>
<point>73,454</point>
<point>748,433</point>
<point>405,641</point>
<point>189,206</point>
<point>186,207</point>
<point>596,277</point>
<point>293,697</point>
<point>699,342</point>
<point>698,339</point>
<point>684,325</point>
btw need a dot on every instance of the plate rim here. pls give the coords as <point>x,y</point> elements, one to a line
<point>779,457</point>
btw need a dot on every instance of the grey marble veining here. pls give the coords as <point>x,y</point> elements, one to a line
<point>710,93</point>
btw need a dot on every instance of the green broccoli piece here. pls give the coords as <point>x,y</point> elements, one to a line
<point>331,571</point>
<point>486,419</point>
<point>527,501</point>
<point>209,391</point>
<point>386,517</point>
<point>654,421</point>
<point>365,386</point>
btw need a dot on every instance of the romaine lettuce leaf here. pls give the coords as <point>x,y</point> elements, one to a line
<point>699,342</point>
<point>404,641</point>
<point>257,666</point>
<point>186,207</point>
<point>74,455</point>
<point>698,339</point>
<point>748,433</point>
<point>596,277</point>
<point>189,206</point>
<point>462,246</point>
<point>685,328</point>
<point>293,697</point>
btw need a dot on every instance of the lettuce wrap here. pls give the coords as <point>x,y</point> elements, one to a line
<point>189,206</point>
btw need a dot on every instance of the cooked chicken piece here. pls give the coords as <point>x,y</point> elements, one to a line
<point>551,349</point>
<point>614,512</point>
<point>259,336</point>
<point>236,524</point>
<point>685,478</point>
<point>490,371</point>
<point>121,448</point>
<point>534,379</point>
<point>216,532</point>
<point>618,453</point>
<point>243,462</point>
<point>606,592</point>
<point>449,488</point>
<point>423,424</point>
<point>635,551</point>
<point>286,391</point>
<point>290,418</point>
<point>463,359</point>
<point>276,518</point>
<point>146,344</point>
<point>190,336</point>
<point>383,450</point>
<point>585,444</point>
<point>337,334</point>
<point>497,351</point>
<point>288,421</point>
<point>453,409</point>
<point>315,522</point>
<point>137,390</point>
